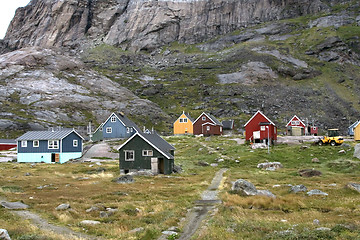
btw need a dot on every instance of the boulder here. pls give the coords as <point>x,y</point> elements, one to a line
<point>4,235</point>
<point>177,169</point>
<point>315,160</point>
<point>270,166</point>
<point>298,188</point>
<point>136,230</point>
<point>14,205</point>
<point>213,164</point>
<point>244,187</point>
<point>354,186</point>
<point>63,206</point>
<point>309,173</point>
<point>89,222</point>
<point>357,151</point>
<point>124,179</point>
<point>203,164</point>
<point>97,207</point>
<point>316,192</point>
<point>266,193</point>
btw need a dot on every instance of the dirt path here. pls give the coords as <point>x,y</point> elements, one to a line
<point>208,202</point>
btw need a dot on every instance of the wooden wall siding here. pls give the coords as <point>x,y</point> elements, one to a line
<point>43,147</point>
<point>97,136</point>
<point>198,125</point>
<point>180,127</point>
<point>357,133</point>
<point>118,129</point>
<point>253,126</point>
<point>67,143</point>
<point>214,129</point>
<point>138,144</point>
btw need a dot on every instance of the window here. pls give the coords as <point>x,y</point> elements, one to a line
<point>75,143</point>
<point>181,120</point>
<point>208,128</point>
<point>23,143</point>
<point>220,129</point>
<point>128,130</point>
<point>101,129</point>
<point>262,128</point>
<point>113,119</point>
<point>53,144</point>
<point>185,120</point>
<point>131,129</point>
<point>147,153</point>
<point>129,155</point>
<point>36,143</point>
<point>203,118</point>
<point>108,130</point>
<point>295,123</point>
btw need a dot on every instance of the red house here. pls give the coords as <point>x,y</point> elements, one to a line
<point>208,125</point>
<point>7,144</point>
<point>296,127</point>
<point>260,128</point>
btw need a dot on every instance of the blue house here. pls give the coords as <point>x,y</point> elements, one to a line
<point>351,128</point>
<point>49,146</point>
<point>117,125</point>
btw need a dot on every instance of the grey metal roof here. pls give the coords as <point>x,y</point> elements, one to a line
<point>188,116</point>
<point>228,124</point>
<point>127,121</point>
<point>354,124</point>
<point>46,135</point>
<point>160,143</point>
<point>214,119</point>
<point>7,141</point>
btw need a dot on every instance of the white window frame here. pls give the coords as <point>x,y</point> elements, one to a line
<point>24,144</point>
<point>109,130</point>
<point>126,157</point>
<point>53,144</point>
<point>262,128</point>
<point>36,145</point>
<point>203,118</point>
<point>207,128</point>
<point>127,130</point>
<point>113,119</point>
<point>75,143</point>
<point>185,120</point>
<point>220,129</point>
<point>147,153</point>
<point>181,120</point>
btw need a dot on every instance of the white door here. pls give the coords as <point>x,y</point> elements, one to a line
<point>154,166</point>
<point>256,135</point>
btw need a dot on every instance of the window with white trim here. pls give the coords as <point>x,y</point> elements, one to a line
<point>127,130</point>
<point>147,153</point>
<point>129,155</point>
<point>203,118</point>
<point>75,143</point>
<point>113,119</point>
<point>36,143</point>
<point>220,129</point>
<point>208,128</point>
<point>23,143</point>
<point>262,128</point>
<point>101,129</point>
<point>108,130</point>
<point>181,120</point>
<point>185,120</point>
<point>53,144</point>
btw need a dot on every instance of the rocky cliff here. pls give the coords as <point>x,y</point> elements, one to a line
<point>144,25</point>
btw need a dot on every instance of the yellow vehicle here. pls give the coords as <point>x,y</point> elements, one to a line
<point>332,138</point>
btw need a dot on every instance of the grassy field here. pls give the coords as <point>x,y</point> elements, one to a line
<point>157,203</point>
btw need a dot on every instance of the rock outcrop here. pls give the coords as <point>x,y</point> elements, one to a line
<point>143,25</point>
<point>43,87</point>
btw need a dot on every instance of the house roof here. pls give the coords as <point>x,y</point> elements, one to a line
<point>354,124</point>
<point>7,141</point>
<point>357,124</point>
<point>259,112</point>
<point>293,118</point>
<point>228,124</point>
<point>47,135</point>
<point>211,117</point>
<point>187,115</point>
<point>155,141</point>
<point>124,120</point>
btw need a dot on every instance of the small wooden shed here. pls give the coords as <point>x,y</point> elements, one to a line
<point>260,128</point>
<point>295,127</point>
<point>146,152</point>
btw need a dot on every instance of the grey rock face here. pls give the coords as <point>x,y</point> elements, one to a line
<point>120,22</point>
<point>332,21</point>
<point>357,151</point>
<point>316,192</point>
<point>266,193</point>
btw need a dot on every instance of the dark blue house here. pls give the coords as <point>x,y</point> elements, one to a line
<point>116,126</point>
<point>49,146</point>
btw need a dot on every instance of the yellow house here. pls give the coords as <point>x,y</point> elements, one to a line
<point>184,124</point>
<point>357,132</point>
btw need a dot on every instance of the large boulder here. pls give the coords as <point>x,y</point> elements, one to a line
<point>270,166</point>
<point>316,192</point>
<point>14,205</point>
<point>244,187</point>
<point>63,206</point>
<point>298,188</point>
<point>4,235</point>
<point>124,179</point>
<point>354,186</point>
<point>309,173</point>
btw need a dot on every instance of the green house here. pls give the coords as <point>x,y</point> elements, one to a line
<point>146,151</point>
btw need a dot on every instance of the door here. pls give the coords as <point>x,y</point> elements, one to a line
<point>161,166</point>
<point>154,166</point>
<point>53,157</point>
